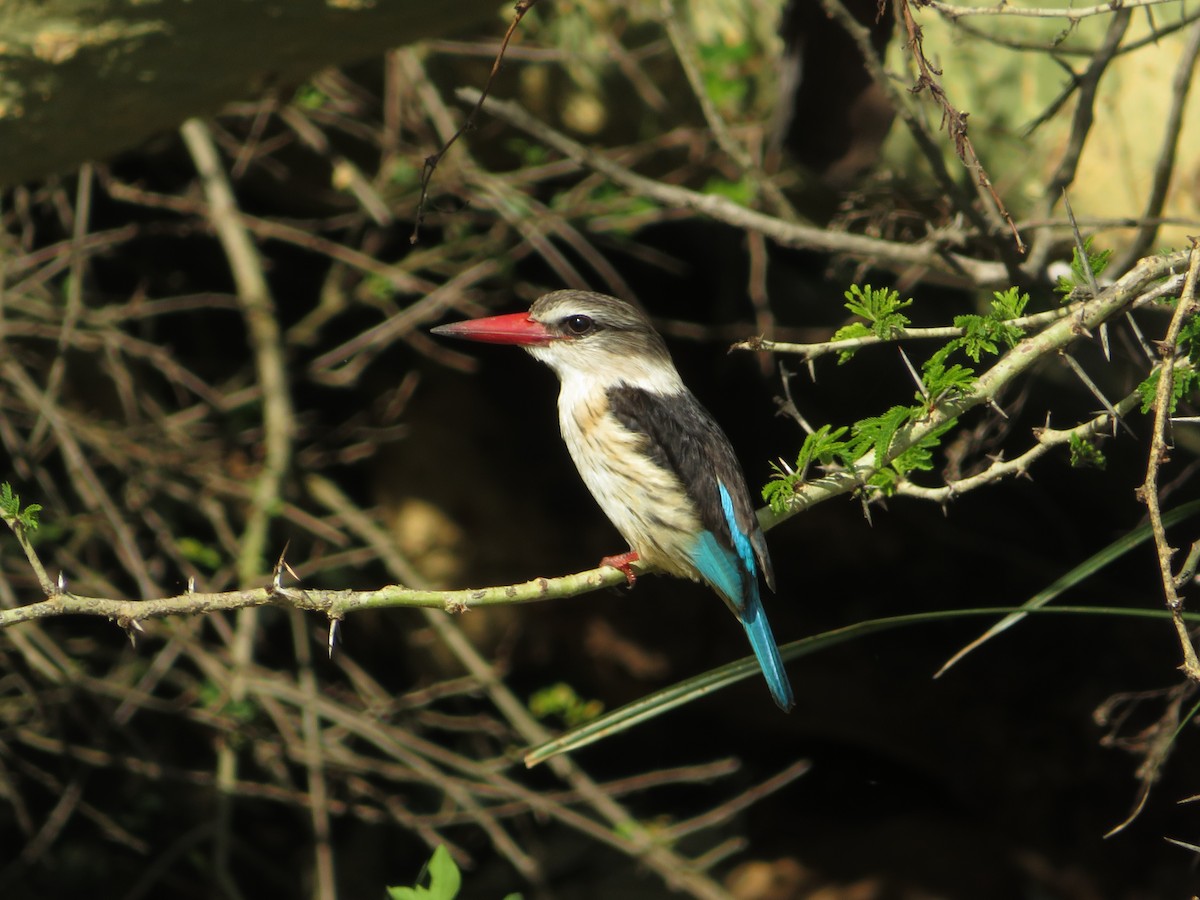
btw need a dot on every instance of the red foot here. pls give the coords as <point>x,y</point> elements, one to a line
<point>622,561</point>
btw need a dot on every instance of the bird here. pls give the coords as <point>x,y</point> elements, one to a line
<point>652,456</point>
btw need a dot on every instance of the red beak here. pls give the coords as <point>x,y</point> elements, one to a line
<point>515,328</point>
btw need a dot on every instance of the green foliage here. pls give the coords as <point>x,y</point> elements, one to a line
<point>445,880</point>
<point>402,173</point>
<point>740,192</point>
<point>877,432</point>
<point>723,65</point>
<point>1085,454</point>
<point>531,153</point>
<point>562,701</point>
<point>941,381</point>
<point>1097,262</point>
<point>10,508</point>
<point>1186,374</point>
<point>823,447</point>
<point>309,97</point>
<point>848,333</point>
<point>988,334</point>
<point>881,310</point>
<point>203,555</point>
<point>1185,382</point>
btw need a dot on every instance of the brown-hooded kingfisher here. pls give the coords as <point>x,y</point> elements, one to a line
<point>655,460</point>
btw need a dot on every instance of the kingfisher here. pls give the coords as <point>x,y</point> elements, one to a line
<point>654,459</point>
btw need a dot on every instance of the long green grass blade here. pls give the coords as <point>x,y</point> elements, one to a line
<point>1081,572</point>
<point>661,701</point>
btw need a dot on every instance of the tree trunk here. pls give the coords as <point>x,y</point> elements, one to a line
<point>84,79</point>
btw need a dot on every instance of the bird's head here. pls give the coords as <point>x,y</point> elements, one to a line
<point>579,333</point>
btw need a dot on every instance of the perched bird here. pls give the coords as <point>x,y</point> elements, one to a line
<point>655,460</point>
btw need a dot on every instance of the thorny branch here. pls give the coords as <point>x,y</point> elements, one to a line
<point>1187,306</point>
<point>955,121</point>
<point>432,161</point>
<point>1062,330</point>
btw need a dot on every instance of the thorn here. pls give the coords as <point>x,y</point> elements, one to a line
<point>132,628</point>
<point>62,583</point>
<point>335,627</point>
<point>191,588</point>
<point>915,377</point>
<point>1081,249</point>
<point>866,506</point>
<point>1097,393</point>
<point>280,566</point>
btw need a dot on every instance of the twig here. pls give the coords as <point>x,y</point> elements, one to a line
<point>263,328</point>
<point>1164,166</point>
<point>894,254</point>
<point>822,348</point>
<point>903,105</point>
<point>1148,492</point>
<point>955,121</point>
<point>685,51</point>
<point>1082,120</point>
<point>746,799</point>
<point>1047,440</point>
<point>74,306</point>
<point>1074,13</point>
<point>1112,301</point>
<point>431,162</point>
<point>672,868</point>
<point>325,887</point>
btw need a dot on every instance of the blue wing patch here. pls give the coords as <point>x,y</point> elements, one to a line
<point>719,567</point>
<point>741,542</point>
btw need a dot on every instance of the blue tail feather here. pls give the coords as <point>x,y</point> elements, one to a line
<point>754,620</point>
<point>719,567</point>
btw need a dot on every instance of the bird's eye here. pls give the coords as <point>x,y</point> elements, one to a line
<point>578,324</point>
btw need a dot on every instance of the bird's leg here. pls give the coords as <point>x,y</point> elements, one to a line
<point>623,562</point>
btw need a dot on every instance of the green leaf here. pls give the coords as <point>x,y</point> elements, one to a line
<point>1009,304</point>
<point>444,877</point>
<point>847,333</point>
<point>561,700</point>
<point>740,192</point>
<point>1097,262</point>
<point>1185,382</point>
<point>881,308</point>
<point>10,503</point>
<point>445,880</point>
<point>203,555</point>
<point>1085,454</point>
<point>941,380</point>
<point>10,508</point>
<point>824,446</point>
<point>877,432</point>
